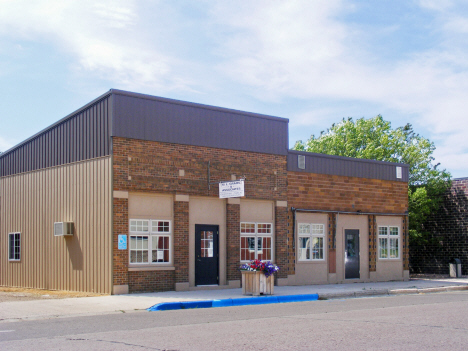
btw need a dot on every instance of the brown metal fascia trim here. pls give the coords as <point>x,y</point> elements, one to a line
<point>197,105</point>
<point>346,158</point>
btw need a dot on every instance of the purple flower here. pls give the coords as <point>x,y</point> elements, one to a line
<point>267,267</point>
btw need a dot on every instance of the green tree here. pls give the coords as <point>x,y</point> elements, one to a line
<point>375,139</point>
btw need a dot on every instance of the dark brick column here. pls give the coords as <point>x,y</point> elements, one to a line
<point>120,257</point>
<point>181,241</point>
<point>405,235</point>
<point>372,243</point>
<point>291,269</point>
<point>233,241</point>
<point>281,240</point>
<point>331,243</point>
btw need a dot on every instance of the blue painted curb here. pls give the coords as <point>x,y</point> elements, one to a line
<point>165,306</point>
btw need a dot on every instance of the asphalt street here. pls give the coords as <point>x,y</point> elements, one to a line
<point>402,322</point>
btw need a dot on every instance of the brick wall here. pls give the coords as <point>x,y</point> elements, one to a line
<point>332,192</point>
<point>340,193</point>
<point>120,269</point>
<point>154,167</point>
<point>141,281</point>
<point>281,241</point>
<point>372,243</point>
<point>181,241</point>
<point>150,166</point>
<point>331,238</point>
<point>233,241</point>
<point>447,234</point>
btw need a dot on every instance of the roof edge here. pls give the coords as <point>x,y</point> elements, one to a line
<point>197,105</point>
<point>345,158</point>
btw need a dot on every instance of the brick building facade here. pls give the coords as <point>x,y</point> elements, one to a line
<point>156,212</point>
<point>447,231</point>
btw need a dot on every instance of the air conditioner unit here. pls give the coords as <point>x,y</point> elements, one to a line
<point>63,228</point>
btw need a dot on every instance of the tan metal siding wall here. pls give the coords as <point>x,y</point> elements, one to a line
<point>31,202</point>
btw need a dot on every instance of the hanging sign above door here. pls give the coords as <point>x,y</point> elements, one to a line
<point>233,188</point>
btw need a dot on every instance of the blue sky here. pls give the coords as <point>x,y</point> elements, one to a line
<point>313,62</point>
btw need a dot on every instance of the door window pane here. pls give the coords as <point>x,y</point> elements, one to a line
<point>351,245</point>
<point>206,244</point>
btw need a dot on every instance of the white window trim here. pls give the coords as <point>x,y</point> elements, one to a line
<point>9,247</point>
<point>311,236</point>
<point>150,234</point>
<point>257,235</point>
<point>388,236</point>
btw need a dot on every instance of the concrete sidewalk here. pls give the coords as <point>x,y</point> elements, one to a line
<point>55,308</point>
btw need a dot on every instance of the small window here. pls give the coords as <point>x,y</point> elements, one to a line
<point>301,162</point>
<point>14,246</point>
<point>389,243</point>
<point>311,242</point>
<point>256,241</point>
<point>398,172</point>
<point>150,241</point>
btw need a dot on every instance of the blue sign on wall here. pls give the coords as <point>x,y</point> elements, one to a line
<point>122,242</point>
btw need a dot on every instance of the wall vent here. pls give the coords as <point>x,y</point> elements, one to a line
<point>63,228</point>
<point>398,172</point>
<point>301,161</point>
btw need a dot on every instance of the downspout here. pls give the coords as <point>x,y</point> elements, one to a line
<point>349,212</point>
<point>294,228</point>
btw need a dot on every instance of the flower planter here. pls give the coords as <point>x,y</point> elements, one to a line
<point>255,283</point>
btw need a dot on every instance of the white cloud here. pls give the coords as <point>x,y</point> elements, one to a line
<point>101,37</point>
<point>273,50</point>
<point>306,51</point>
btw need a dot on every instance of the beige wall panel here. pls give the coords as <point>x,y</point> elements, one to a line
<point>30,203</point>
<point>352,222</point>
<point>318,218</point>
<point>390,269</point>
<point>311,272</point>
<point>150,206</point>
<point>257,211</point>
<point>207,211</point>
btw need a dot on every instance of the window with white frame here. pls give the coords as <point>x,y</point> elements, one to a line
<point>256,241</point>
<point>389,242</point>
<point>311,241</point>
<point>14,246</point>
<point>150,241</point>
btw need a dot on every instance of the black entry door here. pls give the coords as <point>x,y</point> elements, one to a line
<point>206,254</point>
<point>352,254</point>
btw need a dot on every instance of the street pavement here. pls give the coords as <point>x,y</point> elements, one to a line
<point>11,311</point>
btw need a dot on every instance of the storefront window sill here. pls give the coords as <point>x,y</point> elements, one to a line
<point>150,268</point>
